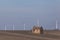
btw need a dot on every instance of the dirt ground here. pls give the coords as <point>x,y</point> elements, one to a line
<point>27,35</point>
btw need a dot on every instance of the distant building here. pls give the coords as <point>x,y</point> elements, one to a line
<point>37,30</point>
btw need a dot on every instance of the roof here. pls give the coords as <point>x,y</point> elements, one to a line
<point>37,27</point>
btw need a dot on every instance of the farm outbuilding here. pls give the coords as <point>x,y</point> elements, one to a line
<point>37,30</point>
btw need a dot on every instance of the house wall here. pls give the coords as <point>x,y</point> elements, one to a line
<point>36,31</point>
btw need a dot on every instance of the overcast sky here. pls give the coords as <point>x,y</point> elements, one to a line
<point>18,12</point>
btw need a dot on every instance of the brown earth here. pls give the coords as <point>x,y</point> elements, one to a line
<point>27,35</point>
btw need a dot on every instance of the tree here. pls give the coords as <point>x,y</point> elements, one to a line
<point>41,30</point>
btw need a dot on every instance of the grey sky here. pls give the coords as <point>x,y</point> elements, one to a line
<point>19,12</point>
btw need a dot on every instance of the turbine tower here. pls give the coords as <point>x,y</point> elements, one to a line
<point>56,25</point>
<point>5,27</point>
<point>38,22</point>
<point>24,26</point>
<point>13,27</point>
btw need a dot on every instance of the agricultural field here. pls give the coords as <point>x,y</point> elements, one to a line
<point>27,35</point>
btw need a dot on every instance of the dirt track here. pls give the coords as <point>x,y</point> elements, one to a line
<point>18,36</point>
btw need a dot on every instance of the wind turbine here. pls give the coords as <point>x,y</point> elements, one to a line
<point>24,26</point>
<point>13,27</point>
<point>56,25</point>
<point>5,27</point>
<point>37,22</point>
